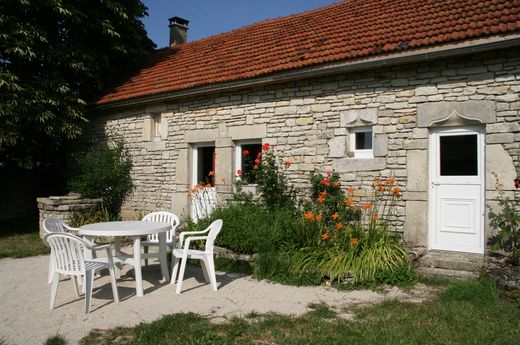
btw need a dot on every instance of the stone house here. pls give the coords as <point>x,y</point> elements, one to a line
<point>426,91</point>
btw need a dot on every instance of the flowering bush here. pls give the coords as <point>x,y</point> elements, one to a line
<point>354,238</point>
<point>507,222</point>
<point>268,173</point>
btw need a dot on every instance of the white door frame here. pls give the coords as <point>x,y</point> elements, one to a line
<point>435,179</point>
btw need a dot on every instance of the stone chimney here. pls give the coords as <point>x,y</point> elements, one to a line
<point>178,31</point>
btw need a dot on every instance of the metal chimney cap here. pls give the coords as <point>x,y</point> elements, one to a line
<point>178,21</point>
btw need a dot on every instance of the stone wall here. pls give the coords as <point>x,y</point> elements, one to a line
<point>311,121</point>
<point>64,207</point>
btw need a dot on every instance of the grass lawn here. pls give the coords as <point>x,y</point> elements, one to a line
<point>465,313</point>
<point>20,239</point>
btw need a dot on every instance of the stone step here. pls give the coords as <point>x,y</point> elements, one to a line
<point>441,272</point>
<point>452,261</point>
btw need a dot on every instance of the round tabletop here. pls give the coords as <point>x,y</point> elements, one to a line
<point>124,228</point>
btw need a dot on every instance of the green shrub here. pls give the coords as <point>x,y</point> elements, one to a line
<point>507,222</point>
<point>94,215</point>
<point>278,267</point>
<point>103,171</point>
<point>250,229</point>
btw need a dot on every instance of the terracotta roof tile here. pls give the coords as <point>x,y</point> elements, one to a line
<point>347,30</point>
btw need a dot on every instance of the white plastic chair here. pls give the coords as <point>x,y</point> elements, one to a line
<point>203,201</point>
<point>55,225</point>
<point>67,256</point>
<point>183,253</point>
<point>153,239</point>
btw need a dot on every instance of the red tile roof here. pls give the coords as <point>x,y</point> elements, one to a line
<point>344,31</point>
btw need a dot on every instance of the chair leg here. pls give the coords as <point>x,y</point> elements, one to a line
<point>145,250</point>
<point>113,275</point>
<point>181,276</point>
<point>205,270</point>
<point>75,282</point>
<point>51,271</point>
<point>175,265</point>
<point>89,278</point>
<point>54,288</point>
<point>211,273</point>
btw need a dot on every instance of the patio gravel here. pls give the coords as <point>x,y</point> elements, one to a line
<point>25,295</point>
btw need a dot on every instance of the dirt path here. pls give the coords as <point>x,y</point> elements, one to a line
<point>26,318</point>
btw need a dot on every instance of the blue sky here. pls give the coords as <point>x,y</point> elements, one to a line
<point>211,17</point>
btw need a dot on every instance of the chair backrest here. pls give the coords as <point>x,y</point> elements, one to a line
<point>66,253</point>
<point>164,217</point>
<point>52,225</point>
<point>203,201</point>
<point>215,228</point>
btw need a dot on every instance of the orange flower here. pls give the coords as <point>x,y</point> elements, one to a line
<point>335,216</point>
<point>375,217</point>
<point>349,201</point>
<point>211,173</point>
<point>396,190</point>
<point>390,181</point>
<point>350,189</point>
<point>222,180</point>
<point>354,241</point>
<point>336,184</point>
<point>366,206</point>
<point>318,218</point>
<point>377,182</point>
<point>309,216</point>
<point>321,199</point>
<point>325,236</point>
<point>339,226</point>
<point>381,189</point>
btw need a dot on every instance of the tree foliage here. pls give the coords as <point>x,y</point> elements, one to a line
<point>53,54</point>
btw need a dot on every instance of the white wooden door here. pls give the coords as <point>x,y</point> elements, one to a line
<point>457,190</point>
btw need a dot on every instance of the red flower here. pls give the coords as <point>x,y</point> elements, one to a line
<point>265,147</point>
<point>325,181</point>
<point>245,152</point>
<point>239,172</point>
<point>517,183</point>
<point>287,163</point>
<point>257,161</point>
<point>255,167</point>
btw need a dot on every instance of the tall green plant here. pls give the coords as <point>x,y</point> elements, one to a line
<point>507,221</point>
<point>103,171</point>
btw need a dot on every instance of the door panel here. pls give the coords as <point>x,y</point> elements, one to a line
<point>456,197</point>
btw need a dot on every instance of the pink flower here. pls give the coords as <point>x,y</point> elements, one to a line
<point>239,172</point>
<point>259,155</point>
<point>245,152</point>
<point>255,167</point>
<point>257,161</point>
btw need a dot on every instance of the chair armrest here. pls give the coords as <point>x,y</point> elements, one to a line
<point>184,233</point>
<point>70,228</point>
<point>193,238</point>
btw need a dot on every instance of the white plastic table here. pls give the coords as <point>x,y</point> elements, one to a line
<point>135,229</point>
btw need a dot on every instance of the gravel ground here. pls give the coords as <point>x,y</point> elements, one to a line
<point>25,295</point>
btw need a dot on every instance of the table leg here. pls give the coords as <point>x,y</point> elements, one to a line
<point>162,257</point>
<point>137,266</point>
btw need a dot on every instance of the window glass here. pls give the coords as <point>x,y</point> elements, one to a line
<point>249,159</point>
<point>459,155</point>
<point>156,130</point>
<point>206,165</point>
<point>364,140</point>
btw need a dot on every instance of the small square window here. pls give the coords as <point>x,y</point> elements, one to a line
<point>361,142</point>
